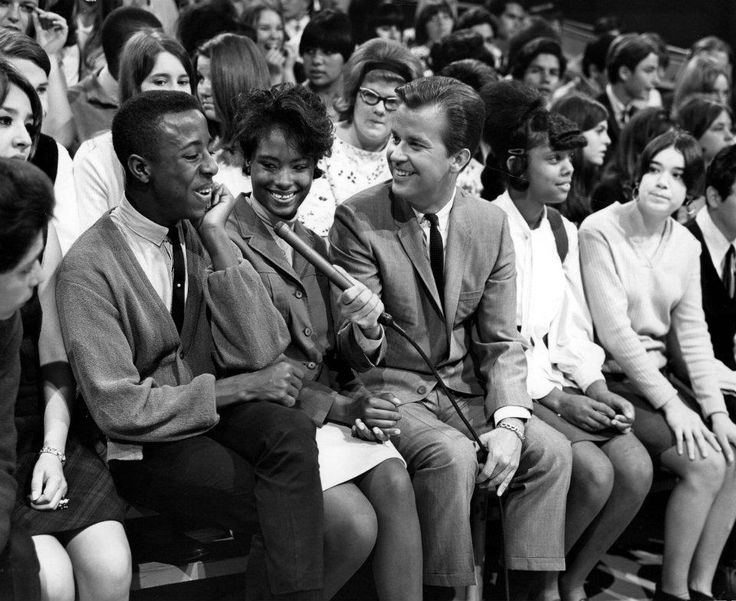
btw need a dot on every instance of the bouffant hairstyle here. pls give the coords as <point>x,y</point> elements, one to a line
<point>386,59</point>
<point>477,16</point>
<point>117,28</point>
<point>687,146</point>
<point>139,58</point>
<point>26,206</point>
<point>517,121</point>
<point>201,22</point>
<point>293,109</point>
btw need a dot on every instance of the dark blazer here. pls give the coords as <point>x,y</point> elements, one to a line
<point>720,310</point>
<point>474,342</point>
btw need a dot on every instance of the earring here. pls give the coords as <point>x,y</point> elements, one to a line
<point>246,168</point>
<point>635,192</point>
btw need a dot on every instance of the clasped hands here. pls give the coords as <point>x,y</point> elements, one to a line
<point>48,484</point>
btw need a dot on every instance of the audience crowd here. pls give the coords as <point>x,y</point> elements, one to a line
<point>524,286</point>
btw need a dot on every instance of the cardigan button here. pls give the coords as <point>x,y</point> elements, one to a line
<point>311,365</point>
<point>298,294</point>
<point>307,331</point>
<point>422,390</point>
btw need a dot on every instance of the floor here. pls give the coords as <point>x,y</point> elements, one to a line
<point>629,571</point>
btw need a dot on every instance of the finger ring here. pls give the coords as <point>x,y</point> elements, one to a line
<point>63,504</point>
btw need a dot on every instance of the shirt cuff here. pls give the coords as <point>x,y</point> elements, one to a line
<point>511,412</point>
<point>368,345</point>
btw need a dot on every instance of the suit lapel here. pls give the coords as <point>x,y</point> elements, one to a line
<point>459,235</point>
<point>411,238</point>
<point>260,240</point>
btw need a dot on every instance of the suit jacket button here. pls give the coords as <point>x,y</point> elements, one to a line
<point>422,390</point>
<point>307,331</point>
<point>298,294</point>
<point>311,365</point>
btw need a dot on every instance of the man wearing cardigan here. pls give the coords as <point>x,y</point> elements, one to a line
<point>443,264</point>
<point>135,297</point>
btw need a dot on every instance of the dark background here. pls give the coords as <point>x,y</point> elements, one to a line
<point>680,22</point>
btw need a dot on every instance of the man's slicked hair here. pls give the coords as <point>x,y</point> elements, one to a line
<point>458,102</point>
<point>627,50</point>
<point>136,127</point>
<point>117,29</point>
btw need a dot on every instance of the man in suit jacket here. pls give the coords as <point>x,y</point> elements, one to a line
<point>455,295</point>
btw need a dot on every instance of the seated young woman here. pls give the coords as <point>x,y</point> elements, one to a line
<point>82,549</point>
<point>611,472</point>
<point>641,271</point>
<point>283,133</point>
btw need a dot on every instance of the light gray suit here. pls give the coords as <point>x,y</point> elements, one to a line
<point>480,355</point>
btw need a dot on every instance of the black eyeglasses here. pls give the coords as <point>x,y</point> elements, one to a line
<point>372,99</point>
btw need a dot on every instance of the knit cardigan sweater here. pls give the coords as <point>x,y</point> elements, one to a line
<point>648,310</point>
<point>141,381</point>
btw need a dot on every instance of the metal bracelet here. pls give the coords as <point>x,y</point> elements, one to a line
<point>53,451</point>
<point>513,428</point>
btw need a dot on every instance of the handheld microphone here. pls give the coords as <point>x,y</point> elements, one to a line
<point>284,232</point>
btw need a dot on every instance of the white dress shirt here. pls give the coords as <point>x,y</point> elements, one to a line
<point>151,247</point>
<point>551,311</point>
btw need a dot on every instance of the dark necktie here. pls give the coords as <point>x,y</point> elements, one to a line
<point>436,253</point>
<point>728,271</point>
<point>180,272</point>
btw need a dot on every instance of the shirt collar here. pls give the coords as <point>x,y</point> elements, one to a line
<point>140,225</point>
<point>516,219</point>
<point>715,241</point>
<point>266,216</point>
<point>617,106</point>
<point>97,92</point>
<point>443,215</point>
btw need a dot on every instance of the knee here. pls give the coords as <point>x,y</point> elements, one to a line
<point>707,474</point>
<point>395,481</point>
<point>592,474</point>
<point>547,451</point>
<point>634,472</point>
<point>113,576</point>
<point>356,530</point>
<point>57,581</point>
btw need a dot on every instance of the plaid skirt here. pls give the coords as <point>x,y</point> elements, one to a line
<point>90,490</point>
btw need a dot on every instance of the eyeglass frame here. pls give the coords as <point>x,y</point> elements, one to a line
<point>378,98</point>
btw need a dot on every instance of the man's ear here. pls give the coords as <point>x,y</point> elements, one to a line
<point>712,198</point>
<point>459,160</point>
<point>624,73</point>
<point>140,168</point>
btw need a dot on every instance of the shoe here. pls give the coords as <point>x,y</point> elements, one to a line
<point>698,596</point>
<point>660,595</point>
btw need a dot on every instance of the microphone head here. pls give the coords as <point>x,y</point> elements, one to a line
<point>278,228</point>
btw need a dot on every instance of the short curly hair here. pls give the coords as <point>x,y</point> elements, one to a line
<point>293,109</point>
